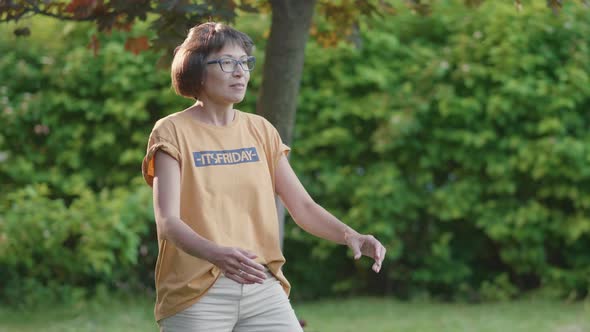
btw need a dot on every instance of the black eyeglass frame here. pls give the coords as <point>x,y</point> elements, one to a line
<point>236,62</point>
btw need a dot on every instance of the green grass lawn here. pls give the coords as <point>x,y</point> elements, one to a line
<point>360,314</point>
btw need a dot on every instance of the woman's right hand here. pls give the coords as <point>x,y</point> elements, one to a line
<point>238,265</point>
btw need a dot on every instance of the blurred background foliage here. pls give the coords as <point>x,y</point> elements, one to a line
<point>459,139</point>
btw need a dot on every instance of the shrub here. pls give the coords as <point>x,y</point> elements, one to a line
<point>50,251</point>
<point>460,141</point>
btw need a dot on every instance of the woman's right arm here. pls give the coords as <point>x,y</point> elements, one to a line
<point>237,264</point>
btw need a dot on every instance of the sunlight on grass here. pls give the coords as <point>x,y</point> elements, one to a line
<point>360,314</point>
<point>117,315</point>
<point>375,315</point>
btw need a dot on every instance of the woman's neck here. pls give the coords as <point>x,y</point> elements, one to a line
<point>212,113</point>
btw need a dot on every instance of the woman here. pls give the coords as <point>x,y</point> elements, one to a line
<point>215,172</point>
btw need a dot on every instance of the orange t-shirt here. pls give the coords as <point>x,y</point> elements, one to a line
<point>227,196</point>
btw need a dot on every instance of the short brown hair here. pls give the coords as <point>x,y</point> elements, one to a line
<point>188,65</point>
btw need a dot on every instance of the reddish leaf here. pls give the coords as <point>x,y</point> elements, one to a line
<point>137,45</point>
<point>81,8</point>
<point>100,8</point>
<point>123,26</point>
<point>78,5</point>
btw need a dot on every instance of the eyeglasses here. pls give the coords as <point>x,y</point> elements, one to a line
<point>229,65</point>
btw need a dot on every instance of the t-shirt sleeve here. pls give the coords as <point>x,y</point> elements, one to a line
<point>279,148</point>
<point>161,138</point>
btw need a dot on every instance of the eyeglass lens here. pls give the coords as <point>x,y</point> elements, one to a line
<point>229,64</point>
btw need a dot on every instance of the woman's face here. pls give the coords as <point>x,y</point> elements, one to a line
<point>223,87</point>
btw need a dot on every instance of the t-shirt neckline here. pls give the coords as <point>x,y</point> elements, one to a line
<point>232,124</point>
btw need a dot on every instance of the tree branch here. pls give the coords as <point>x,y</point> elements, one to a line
<point>65,18</point>
<point>15,17</point>
<point>34,9</point>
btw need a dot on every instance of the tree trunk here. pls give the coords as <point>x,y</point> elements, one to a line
<point>283,67</point>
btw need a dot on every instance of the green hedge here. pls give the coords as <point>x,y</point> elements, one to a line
<point>461,140</point>
<point>72,119</point>
<point>75,216</point>
<point>51,251</point>
<point>458,139</point>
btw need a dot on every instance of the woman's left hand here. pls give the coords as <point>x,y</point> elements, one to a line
<point>366,245</point>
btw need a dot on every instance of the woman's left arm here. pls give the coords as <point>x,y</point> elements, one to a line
<point>315,220</point>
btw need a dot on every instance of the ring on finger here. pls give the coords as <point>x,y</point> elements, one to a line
<point>241,273</point>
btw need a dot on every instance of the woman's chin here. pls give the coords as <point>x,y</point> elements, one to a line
<point>236,99</point>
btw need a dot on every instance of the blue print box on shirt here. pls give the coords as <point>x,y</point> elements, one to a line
<point>225,157</point>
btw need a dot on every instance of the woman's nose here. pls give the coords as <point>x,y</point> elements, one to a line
<point>238,71</point>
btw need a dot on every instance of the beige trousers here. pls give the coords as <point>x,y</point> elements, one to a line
<point>232,307</point>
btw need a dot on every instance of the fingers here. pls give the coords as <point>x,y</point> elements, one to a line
<point>370,247</point>
<point>376,267</point>
<point>250,268</point>
<point>379,256</point>
<point>357,253</point>
<point>356,248</point>
<point>249,272</point>
<point>244,277</point>
<point>249,261</point>
<point>238,278</point>
<point>377,250</point>
<point>243,269</point>
<point>248,254</point>
<point>383,252</point>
